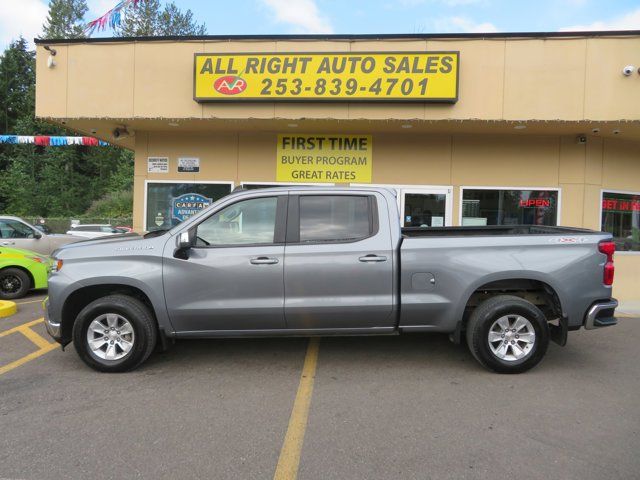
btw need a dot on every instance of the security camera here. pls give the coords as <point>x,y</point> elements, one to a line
<point>120,132</point>
<point>628,70</point>
<point>581,139</point>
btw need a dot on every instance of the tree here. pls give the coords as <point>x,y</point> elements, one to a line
<point>148,20</point>
<point>65,19</point>
<point>17,77</point>
<point>174,22</point>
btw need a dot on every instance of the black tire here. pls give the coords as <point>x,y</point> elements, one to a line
<point>14,283</point>
<point>136,313</point>
<point>488,312</point>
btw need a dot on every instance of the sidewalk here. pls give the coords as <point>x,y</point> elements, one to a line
<point>629,308</point>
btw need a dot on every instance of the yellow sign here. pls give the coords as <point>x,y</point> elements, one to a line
<point>406,76</point>
<point>324,158</point>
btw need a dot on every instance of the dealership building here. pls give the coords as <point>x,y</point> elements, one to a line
<point>469,129</point>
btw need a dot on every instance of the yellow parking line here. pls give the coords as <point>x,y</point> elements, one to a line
<point>30,301</point>
<point>28,358</point>
<point>43,345</point>
<point>19,327</point>
<point>287,468</point>
<point>35,338</point>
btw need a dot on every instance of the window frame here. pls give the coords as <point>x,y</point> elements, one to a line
<point>34,233</point>
<point>484,187</point>
<point>623,192</point>
<point>204,182</point>
<point>293,218</point>
<point>279,232</point>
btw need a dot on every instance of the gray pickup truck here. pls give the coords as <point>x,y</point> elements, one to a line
<point>302,261</point>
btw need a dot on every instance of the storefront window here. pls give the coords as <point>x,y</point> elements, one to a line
<point>168,204</point>
<point>509,207</point>
<point>621,217</point>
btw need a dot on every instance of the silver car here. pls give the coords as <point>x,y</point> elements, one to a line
<point>16,233</point>
<point>93,231</point>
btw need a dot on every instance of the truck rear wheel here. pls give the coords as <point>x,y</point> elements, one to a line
<point>507,334</point>
<point>114,334</point>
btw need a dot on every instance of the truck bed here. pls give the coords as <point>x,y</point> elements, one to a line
<point>508,230</point>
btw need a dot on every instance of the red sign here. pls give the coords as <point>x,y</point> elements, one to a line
<point>229,85</point>
<point>535,202</point>
<point>625,205</point>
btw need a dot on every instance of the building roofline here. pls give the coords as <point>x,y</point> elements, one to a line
<point>334,37</point>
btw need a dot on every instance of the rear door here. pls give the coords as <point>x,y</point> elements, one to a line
<point>338,262</point>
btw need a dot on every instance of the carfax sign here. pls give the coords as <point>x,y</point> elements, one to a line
<point>188,204</point>
<point>324,158</point>
<point>364,76</point>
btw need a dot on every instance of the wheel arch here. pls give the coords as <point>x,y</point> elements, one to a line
<point>83,296</point>
<point>538,289</point>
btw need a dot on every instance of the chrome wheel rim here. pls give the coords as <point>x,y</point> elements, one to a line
<point>110,336</point>
<point>511,338</point>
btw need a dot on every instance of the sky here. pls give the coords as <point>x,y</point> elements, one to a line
<point>237,17</point>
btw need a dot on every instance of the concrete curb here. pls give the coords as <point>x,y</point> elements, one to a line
<point>7,308</point>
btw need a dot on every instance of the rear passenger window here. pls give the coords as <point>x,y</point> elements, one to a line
<point>326,218</point>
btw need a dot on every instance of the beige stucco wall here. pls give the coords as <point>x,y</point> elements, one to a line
<point>566,79</point>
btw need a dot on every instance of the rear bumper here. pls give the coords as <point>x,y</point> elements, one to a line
<point>601,314</point>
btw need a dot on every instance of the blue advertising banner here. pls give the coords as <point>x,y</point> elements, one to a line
<point>188,204</point>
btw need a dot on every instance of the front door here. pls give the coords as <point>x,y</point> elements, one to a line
<point>425,207</point>
<point>339,262</point>
<point>232,278</point>
<point>15,234</point>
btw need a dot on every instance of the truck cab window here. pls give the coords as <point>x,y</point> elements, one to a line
<point>249,222</point>
<point>335,218</point>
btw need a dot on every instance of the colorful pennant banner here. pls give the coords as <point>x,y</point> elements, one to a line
<point>111,19</point>
<point>51,141</point>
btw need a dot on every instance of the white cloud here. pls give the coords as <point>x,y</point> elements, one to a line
<point>628,21</point>
<point>21,17</point>
<point>462,25</point>
<point>303,15</point>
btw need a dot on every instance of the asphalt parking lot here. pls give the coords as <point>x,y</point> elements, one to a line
<point>369,408</point>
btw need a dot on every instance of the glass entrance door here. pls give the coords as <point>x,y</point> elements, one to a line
<point>425,207</point>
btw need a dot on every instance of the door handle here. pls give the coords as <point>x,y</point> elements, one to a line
<point>373,258</point>
<point>263,261</point>
<point>8,243</point>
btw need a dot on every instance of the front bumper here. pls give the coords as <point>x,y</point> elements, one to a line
<point>601,314</point>
<point>53,329</point>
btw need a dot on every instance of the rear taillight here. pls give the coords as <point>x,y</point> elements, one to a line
<point>608,247</point>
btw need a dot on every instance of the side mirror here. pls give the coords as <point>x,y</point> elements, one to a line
<point>37,235</point>
<point>184,241</point>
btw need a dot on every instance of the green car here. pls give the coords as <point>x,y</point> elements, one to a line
<point>20,271</point>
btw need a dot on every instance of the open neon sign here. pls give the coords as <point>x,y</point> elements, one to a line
<point>535,202</point>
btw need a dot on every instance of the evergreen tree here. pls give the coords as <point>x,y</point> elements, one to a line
<point>147,19</point>
<point>174,22</point>
<point>65,19</point>
<point>17,78</point>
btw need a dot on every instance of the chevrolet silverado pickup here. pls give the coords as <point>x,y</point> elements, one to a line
<point>305,261</point>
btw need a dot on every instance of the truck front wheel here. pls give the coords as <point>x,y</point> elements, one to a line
<point>507,334</point>
<point>114,333</point>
